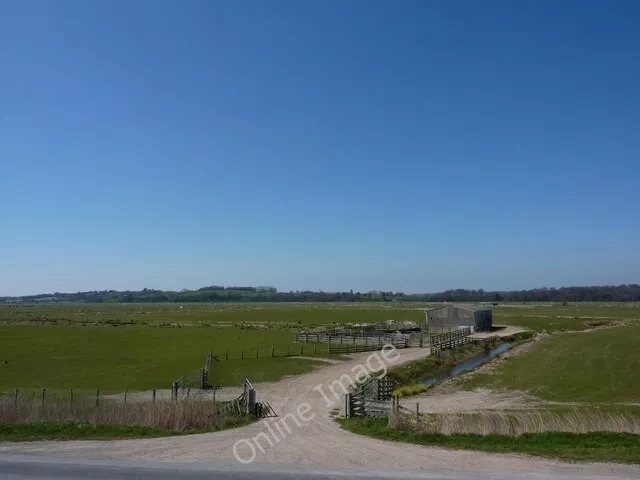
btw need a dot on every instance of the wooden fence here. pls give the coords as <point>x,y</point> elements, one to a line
<point>451,339</point>
<point>343,348</point>
<point>359,340</point>
<point>371,399</point>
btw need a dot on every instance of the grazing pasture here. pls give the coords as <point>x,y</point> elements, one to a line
<point>596,366</point>
<point>142,346</point>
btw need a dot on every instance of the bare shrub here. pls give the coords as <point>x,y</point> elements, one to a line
<point>515,423</point>
<point>184,415</point>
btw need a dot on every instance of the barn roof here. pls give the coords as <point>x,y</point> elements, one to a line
<point>462,306</point>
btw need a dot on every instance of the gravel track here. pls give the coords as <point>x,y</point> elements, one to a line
<point>319,443</point>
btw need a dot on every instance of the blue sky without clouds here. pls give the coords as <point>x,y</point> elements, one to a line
<point>409,146</point>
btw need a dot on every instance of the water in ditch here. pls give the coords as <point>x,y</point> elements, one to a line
<point>468,364</point>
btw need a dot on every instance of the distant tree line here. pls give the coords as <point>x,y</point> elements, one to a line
<point>215,294</point>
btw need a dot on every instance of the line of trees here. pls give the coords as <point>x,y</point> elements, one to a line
<point>620,293</point>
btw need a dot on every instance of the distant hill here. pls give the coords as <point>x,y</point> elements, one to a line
<point>620,293</point>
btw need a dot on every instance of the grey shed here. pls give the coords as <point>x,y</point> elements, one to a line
<point>452,316</point>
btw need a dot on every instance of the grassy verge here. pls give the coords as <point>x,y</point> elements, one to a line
<point>599,446</point>
<point>77,430</point>
<point>410,390</point>
<point>599,366</point>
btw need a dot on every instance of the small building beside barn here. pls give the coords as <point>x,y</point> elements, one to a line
<point>450,317</point>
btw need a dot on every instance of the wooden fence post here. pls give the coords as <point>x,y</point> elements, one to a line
<point>188,392</point>
<point>15,396</point>
<point>272,349</point>
<point>154,394</point>
<point>97,396</point>
<point>417,412</point>
<point>125,395</point>
<point>226,354</point>
<point>44,395</point>
<point>71,397</point>
<point>241,353</point>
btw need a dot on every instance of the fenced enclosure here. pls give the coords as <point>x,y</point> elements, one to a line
<point>362,340</point>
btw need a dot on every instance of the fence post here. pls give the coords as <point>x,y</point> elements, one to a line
<point>241,353</point>
<point>226,354</point>
<point>97,396</point>
<point>315,347</point>
<point>188,392</point>
<point>44,395</point>
<point>417,412</point>
<point>15,397</point>
<point>346,405</point>
<point>125,395</point>
<point>154,395</point>
<point>272,348</point>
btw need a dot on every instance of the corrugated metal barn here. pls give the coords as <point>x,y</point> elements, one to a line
<point>450,317</point>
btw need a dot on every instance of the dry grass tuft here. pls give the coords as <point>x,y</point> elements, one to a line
<point>516,423</point>
<point>178,416</point>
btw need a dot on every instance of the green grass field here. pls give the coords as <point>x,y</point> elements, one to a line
<point>597,366</point>
<point>276,316</point>
<point>114,359</point>
<point>143,346</point>
<point>559,318</point>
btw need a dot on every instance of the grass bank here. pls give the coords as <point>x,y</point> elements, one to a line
<point>597,366</point>
<point>598,446</point>
<point>414,372</point>
<point>410,374</point>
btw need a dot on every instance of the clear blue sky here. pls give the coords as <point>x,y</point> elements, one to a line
<point>408,146</point>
